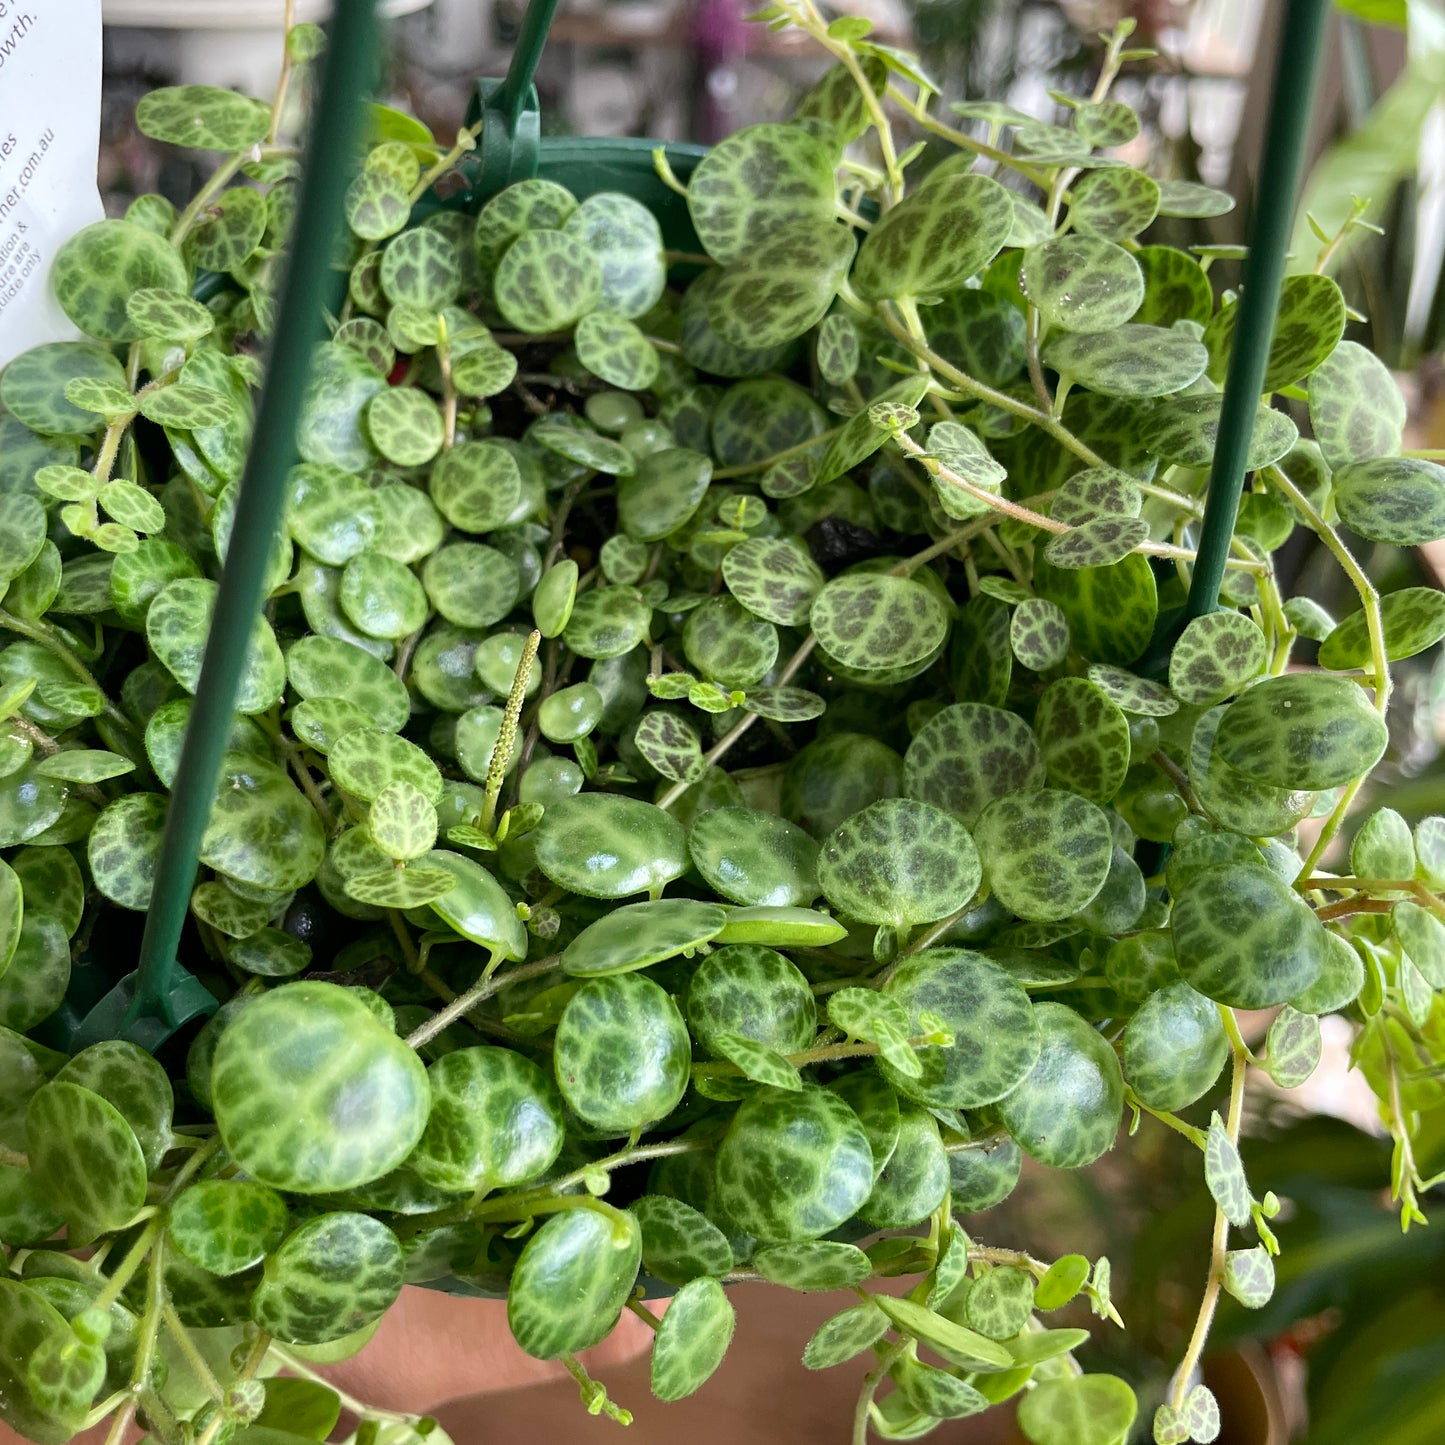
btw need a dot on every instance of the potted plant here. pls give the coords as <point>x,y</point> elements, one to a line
<point>698,808</point>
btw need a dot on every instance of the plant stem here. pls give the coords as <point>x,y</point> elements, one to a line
<point>1195,1136</point>
<point>720,748</point>
<point>887,1358</point>
<point>802,448</point>
<point>39,633</point>
<point>483,989</point>
<point>1220,1241</point>
<point>348,1401</point>
<point>12,1159</point>
<point>194,1358</point>
<point>823,1054</point>
<point>1021,513</point>
<point>135,1257</point>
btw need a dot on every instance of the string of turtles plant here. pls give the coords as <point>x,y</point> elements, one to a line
<point>695,806</point>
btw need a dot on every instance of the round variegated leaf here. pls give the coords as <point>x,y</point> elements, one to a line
<point>782,287</point>
<point>1235,799</point>
<point>262,831</point>
<point>640,934</point>
<point>366,760</point>
<point>420,267</point>
<point>177,626</point>
<point>100,266</point>
<point>935,239</point>
<point>546,281</point>
<point>1113,204</point>
<point>1308,325</point>
<point>753,858</point>
<point>168,315</point>
<point>1356,410</point>
<point>622,1053</point>
<point>1175,1047</point>
<point>874,620</point>
<point>1412,620</point>
<point>1045,854</point>
<point>1293,1047</point>
<point>128,1078</point>
<point>1183,433</point>
<point>1067,1109</point>
<point>1400,500</point>
<point>572,1281</point>
<point>793,1165</point>
<point>679,1243</point>
<point>285,1080</point>
<point>224,1226</point>
<point>970,754</point>
<point>727,644</point>
<point>476,485</point>
<point>1130,360</point>
<point>774,578</point>
<point>377,205</point>
<point>845,1335</point>
<point>405,424</point>
<point>229,230</point>
<point>1039,634</point>
<point>469,584</point>
<point>483,370</point>
<point>324,667</point>
<point>402,821</point>
<point>624,239</point>
<point>899,862</point>
<point>989,1014</point>
<point>84,1156</point>
<point>756,181</point>
<point>1214,657</point>
<point>203,117</point>
<point>1176,287</point>
<point>1303,731</point>
<point>1099,542</point>
<point>527,205</point>
<point>1083,737</point>
<point>33,386</point>
<point>608,622</point>
<point>132,506</point>
<point>603,845</point>
<point>496,1120</point>
<point>334,1275</point>
<point>752,991</point>
<point>692,1339</point>
<point>123,847</point>
<point>271,953</point>
<point>1245,938</point>
<point>613,348</point>
<point>814,1265</point>
<point>1096,492</point>
<point>1082,283</point>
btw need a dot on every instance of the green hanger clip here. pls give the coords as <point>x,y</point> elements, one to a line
<point>509,111</point>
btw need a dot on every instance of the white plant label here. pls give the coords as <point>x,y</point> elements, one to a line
<point>49,142</point>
